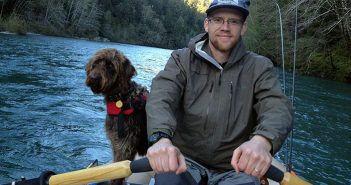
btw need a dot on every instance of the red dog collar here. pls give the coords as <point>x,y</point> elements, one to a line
<point>126,108</point>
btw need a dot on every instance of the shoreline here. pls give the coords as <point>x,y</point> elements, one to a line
<point>102,39</point>
<point>99,39</point>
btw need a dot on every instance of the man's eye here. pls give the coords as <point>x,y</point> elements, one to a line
<point>217,20</point>
<point>234,21</point>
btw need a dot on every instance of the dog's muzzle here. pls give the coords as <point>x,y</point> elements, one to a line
<point>94,82</point>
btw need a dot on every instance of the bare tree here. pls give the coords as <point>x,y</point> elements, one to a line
<point>69,13</point>
<point>2,7</point>
<point>84,16</point>
<point>20,7</point>
<point>332,17</point>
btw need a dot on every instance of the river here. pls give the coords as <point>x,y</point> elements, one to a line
<point>49,120</point>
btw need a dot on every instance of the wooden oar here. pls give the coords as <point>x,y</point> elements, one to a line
<point>101,173</point>
<point>126,168</point>
<point>94,174</point>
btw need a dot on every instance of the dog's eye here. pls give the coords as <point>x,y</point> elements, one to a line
<point>96,63</point>
<point>109,65</point>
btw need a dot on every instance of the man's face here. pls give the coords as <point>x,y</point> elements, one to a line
<point>224,35</point>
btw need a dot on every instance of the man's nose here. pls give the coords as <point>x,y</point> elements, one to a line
<point>225,25</point>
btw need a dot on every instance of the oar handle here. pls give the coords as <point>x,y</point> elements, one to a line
<point>275,174</point>
<point>140,165</point>
<point>284,178</point>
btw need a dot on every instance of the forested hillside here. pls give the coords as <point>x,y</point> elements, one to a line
<point>323,30</point>
<point>161,23</point>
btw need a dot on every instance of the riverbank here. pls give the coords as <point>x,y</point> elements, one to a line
<point>335,65</point>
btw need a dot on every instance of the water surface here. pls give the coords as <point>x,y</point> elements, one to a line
<point>49,120</point>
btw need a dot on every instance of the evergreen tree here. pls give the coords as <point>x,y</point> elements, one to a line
<point>324,26</point>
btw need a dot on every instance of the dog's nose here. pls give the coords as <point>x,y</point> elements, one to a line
<point>94,76</point>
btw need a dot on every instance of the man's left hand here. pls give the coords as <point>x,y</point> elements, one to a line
<point>253,157</point>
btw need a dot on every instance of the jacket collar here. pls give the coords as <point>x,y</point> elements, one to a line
<point>199,46</point>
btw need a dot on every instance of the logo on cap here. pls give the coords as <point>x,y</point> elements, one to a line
<point>235,2</point>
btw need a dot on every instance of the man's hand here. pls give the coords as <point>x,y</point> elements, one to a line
<point>165,157</point>
<point>253,157</point>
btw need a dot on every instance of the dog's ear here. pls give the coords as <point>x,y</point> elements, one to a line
<point>129,68</point>
<point>89,65</point>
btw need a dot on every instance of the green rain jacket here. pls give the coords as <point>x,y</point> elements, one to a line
<point>210,110</point>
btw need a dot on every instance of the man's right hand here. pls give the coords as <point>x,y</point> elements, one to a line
<point>165,157</point>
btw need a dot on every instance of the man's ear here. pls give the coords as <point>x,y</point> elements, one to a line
<point>206,25</point>
<point>244,28</point>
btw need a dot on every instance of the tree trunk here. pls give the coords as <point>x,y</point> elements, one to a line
<point>347,21</point>
<point>69,15</point>
<point>47,11</point>
<point>2,8</point>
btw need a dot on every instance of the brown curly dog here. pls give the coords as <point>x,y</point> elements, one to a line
<point>109,73</point>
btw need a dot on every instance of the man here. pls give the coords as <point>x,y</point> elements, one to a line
<point>217,105</point>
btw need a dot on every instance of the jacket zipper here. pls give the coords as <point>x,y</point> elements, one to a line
<point>230,107</point>
<point>208,106</point>
<point>220,78</point>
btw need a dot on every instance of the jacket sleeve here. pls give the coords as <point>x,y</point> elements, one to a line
<point>164,98</point>
<point>273,108</point>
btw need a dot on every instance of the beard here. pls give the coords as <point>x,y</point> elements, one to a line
<point>223,46</point>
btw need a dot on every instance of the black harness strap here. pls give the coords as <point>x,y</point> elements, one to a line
<point>121,126</point>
